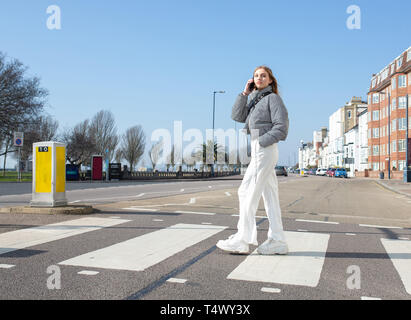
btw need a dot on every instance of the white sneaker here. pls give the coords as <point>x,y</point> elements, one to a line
<point>233,245</point>
<point>271,246</point>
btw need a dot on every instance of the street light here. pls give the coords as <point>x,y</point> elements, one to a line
<point>214,92</point>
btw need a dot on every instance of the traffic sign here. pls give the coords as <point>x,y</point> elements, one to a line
<point>18,139</point>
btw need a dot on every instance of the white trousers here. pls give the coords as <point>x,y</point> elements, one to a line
<point>260,180</point>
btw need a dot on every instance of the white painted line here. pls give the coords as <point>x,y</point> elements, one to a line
<point>228,194</point>
<point>114,217</point>
<point>369,298</point>
<point>6,266</point>
<point>192,200</point>
<point>270,290</point>
<point>316,221</point>
<point>237,215</point>
<point>158,220</point>
<point>20,239</point>
<point>140,209</point>
<point>181,190</point>
<point>206,223</point>
<point>302,230</point>
<point>195,212</point>
<point>302,266</point>
<point>350,234</point>
<point>403,238</point>
<point>142,252</point>
<point>88,272</point>
<point>140,195</point>
<point>75,201</point>
<point>176,280</point>
<point>374,226</point>
<point>210,187</point>
<point>399,252</point>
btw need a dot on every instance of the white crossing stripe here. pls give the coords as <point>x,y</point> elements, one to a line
<point>302,266</point>
<point>369,298</point>
<point>142,252</point>
<point>6,266</point>
<point>20,239</point>
<point>192,200</point>
<point>140,209</point>
<point>399,252</point>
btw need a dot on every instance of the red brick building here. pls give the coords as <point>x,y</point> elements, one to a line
<point>387,101</point>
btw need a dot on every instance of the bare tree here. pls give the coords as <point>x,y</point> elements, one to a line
<point>104,132</point>
<point>155,152</point>
<point>80,144</point>
<point>44,128</point>
<point>133,145</point>
<point>21,98</point>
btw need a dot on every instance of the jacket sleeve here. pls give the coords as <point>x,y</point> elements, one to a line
<point>279,119</point>
<point>239,112</point>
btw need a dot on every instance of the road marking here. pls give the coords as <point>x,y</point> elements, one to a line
<point>302,230</point>
<point>228,194</point>
<point>140,209</point>
<point>317,221</point>
<point>158,220</point>
<point>374,226</point>
<point>181,190</point>
<point>88,272</point>
<point>177,280</point>
<point>20,239</point>
<point>209,187</point>
<point>270,290</point>
<point>350,234</point>
<point>6,266</point>
<point>302,266</point>
<point>140,195</point>
<point>369,298</point>
<point>399,252</point>
<point>192,200</point>
<point>237,215</point>
<point>75,201</point>
<point>195,212</point>
<point>142,252</point>
<point>403,238</point>
<point>206,223</point>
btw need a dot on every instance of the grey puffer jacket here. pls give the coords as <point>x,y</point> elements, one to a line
<point>269,116</point>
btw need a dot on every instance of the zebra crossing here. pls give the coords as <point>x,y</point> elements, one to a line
<point>302,267</point>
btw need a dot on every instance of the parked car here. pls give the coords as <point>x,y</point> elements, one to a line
<point>330,172</point>
<point>280,171</point>
<point>321,172</point>
<point>340,172</point>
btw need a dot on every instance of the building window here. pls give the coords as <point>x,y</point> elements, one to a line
<point>409,78</point>
<point>349,114</point>
<point>392,68</point>
<point>375,98</point>
<point>369,133</point>
<point>394,164</point>
<point>401,145</point>
<point>402,123</point>
<point>402,81</point>
<point>375,115</point>
<point>375,166</point>
<point>402,101</point>
<point>375,150</point>
<point>409,55</point>
<point>401,164</point>
<point>393,83</point>
<point>394,104</point>
<point>369,97</point>
<point>394,125</point>
<point>376,132</point>
<point>399,62</point>
<point>393,146</point>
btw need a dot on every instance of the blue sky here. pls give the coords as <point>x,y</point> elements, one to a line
<point>152,63</point>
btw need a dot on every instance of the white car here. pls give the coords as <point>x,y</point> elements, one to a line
<point>321,172</point>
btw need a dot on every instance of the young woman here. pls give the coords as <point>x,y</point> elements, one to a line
<point>266,119</point>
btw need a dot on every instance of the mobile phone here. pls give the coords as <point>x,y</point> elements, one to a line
<point>251,86</point>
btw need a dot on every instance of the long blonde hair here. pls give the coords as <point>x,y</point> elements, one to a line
<point>274,84</point>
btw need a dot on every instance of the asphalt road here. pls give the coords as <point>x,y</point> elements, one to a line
<point>348,239</point>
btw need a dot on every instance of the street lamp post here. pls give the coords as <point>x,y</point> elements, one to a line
<point>214,92</point>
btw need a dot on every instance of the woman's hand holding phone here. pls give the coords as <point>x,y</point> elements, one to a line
<point>248,87</point>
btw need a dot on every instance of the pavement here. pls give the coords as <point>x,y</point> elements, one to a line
<point>398,186</point>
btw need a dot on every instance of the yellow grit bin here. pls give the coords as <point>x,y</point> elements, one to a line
<point>49,174</point>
